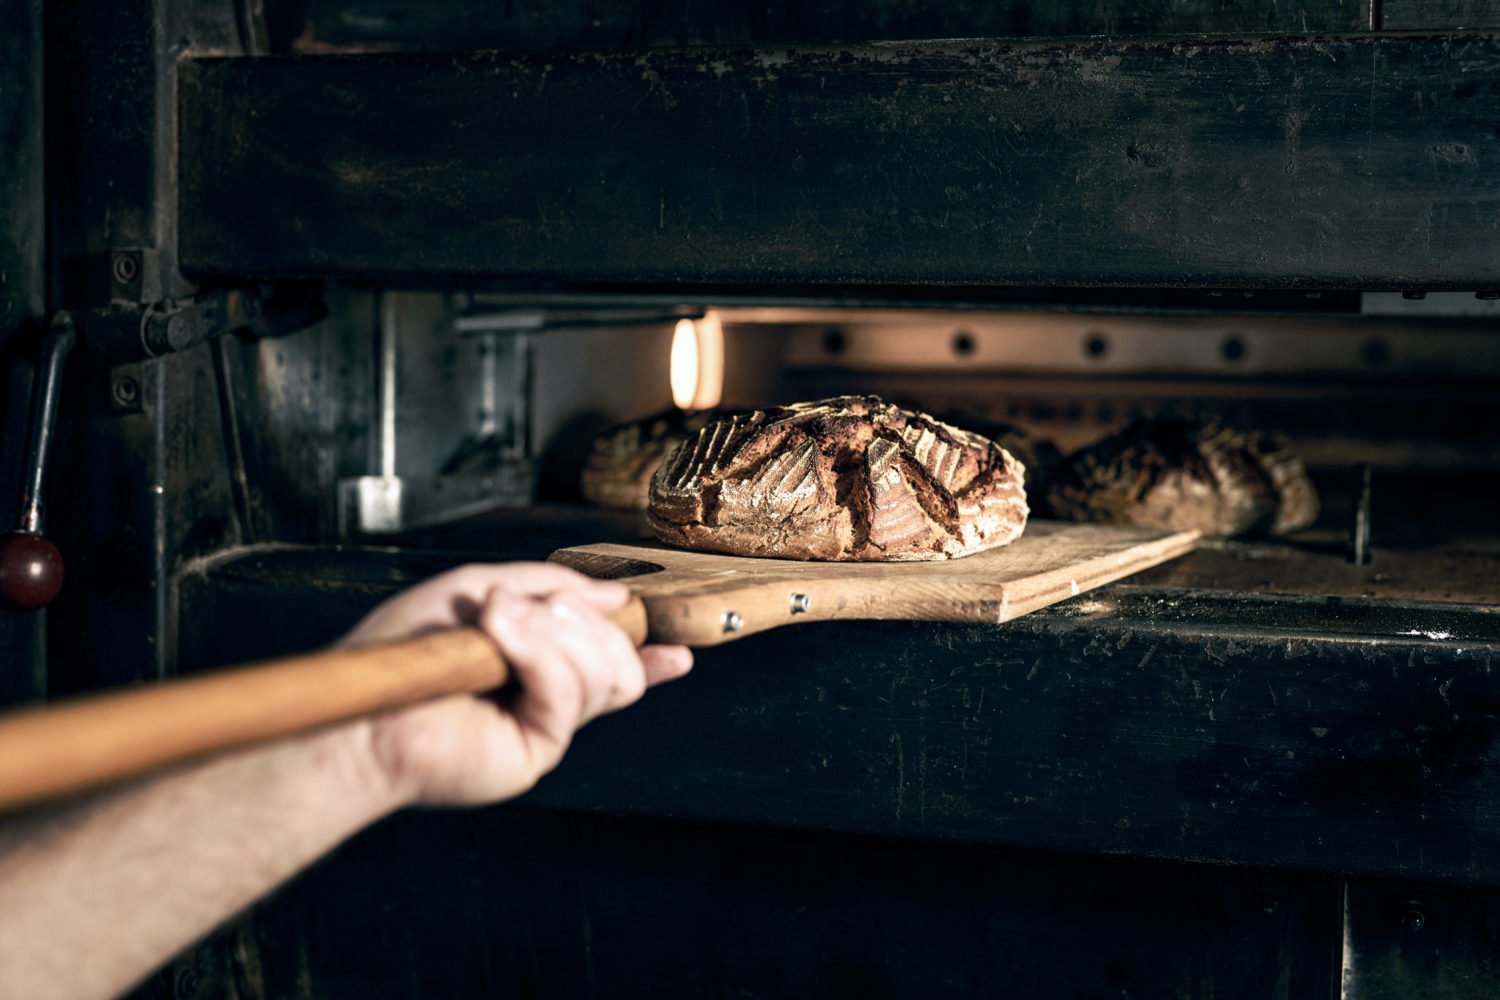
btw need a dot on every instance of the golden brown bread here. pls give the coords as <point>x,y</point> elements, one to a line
<point>850,478</point>
<point>1040,457</point>
<point>1178,475</point>
<point>618,471</point>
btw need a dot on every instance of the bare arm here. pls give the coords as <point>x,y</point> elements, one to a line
<point>96,893</point>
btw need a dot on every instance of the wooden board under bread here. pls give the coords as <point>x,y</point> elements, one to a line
<point>703,599</point>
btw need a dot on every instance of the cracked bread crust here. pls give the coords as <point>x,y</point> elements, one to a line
<point>1177,475</point>
<point>844,479</point>
<point>618,472</point>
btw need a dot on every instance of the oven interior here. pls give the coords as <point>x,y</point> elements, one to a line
<point>400,275</point>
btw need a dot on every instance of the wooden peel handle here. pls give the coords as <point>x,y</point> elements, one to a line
<point>57,750</point>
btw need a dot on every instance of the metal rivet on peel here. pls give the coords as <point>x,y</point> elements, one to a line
<point>801,604</point>
<point>732,621</point>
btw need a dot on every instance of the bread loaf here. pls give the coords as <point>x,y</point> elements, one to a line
<point>1040,457</point>
<point>1178,475</point>
<point>850,478</point>
<point>618,471</point>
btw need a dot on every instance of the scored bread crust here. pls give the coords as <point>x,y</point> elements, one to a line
<point>618,472</point>
<point>1178,475</point>
<point>844,479</point>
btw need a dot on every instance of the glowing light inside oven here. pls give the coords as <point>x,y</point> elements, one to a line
<point>697,367</point>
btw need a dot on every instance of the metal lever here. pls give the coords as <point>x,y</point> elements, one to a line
<point>31,568</point>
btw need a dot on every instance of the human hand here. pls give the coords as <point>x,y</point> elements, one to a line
<point>570,664</point>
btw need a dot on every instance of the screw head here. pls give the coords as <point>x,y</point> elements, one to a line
<point>1413,920</point>
<point>801,604</point>
<point>125,267</point>
<point>125,391</point>
<point>732,621</point>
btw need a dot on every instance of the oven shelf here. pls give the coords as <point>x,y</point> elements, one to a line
<point>1221,709</point>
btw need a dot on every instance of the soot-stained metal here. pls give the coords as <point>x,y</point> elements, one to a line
<point>1348,162</point>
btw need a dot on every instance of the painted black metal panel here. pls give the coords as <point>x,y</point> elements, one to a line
<point>1405,940</point>
<point>138,487</point>
<point>1348,737</point>
<point>516,903</point>
<point>456,26</point>
<point>1351,162</point>
<point>22,210</point>
<point>22,300</point>
<point>1439,15</point>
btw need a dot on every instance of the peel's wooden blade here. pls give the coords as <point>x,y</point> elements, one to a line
<point>703,599</point>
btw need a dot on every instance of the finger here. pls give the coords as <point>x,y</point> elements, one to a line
<point>455,598</point>
<point>539,579</point>
<point>536,579</point>
<point>550,704</point>
<point>605,657</point>
<point>665,663</point>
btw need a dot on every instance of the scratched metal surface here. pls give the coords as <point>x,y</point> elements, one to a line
<point>22,298</point>
<point>455,25</point>
<point>519,903</point>
<point>881,800</point>
<point>1339,734</point>
<point>1343,162</point>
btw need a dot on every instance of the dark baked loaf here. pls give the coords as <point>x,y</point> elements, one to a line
<point>618,471</point>
<point>1179,475</point>
<point>850,478</point>
<point>1041,457</point>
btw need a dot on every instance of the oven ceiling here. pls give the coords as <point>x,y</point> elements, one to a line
<point>1336,162</point>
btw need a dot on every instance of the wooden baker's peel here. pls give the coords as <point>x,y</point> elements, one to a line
<point>693,598</point>
<point>703,599</point>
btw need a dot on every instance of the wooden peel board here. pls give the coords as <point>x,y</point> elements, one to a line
<point>699,598</point>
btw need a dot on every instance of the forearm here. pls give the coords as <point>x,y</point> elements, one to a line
<point>96,894</point>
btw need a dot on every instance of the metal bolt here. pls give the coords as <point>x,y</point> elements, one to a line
<point>801,604</point>
<point>732,621</point>
<point>125,391</point>
<point>125,268</point>
<point>1413,920</point>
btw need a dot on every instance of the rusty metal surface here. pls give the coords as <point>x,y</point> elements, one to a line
<point>1347,162</point>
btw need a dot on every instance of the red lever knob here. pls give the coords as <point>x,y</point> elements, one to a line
<point>31,571</point>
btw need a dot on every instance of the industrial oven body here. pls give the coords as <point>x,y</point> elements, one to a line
<point>351,283</point>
